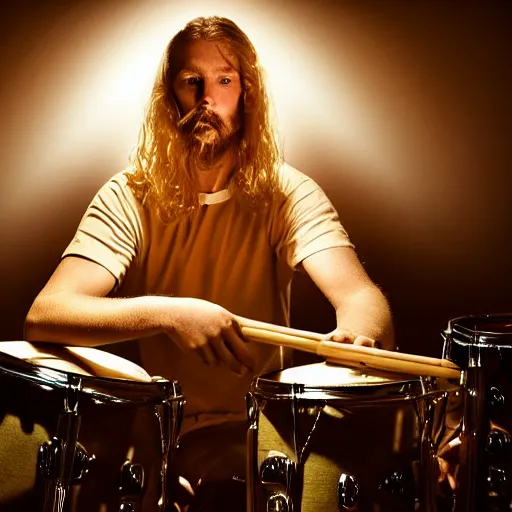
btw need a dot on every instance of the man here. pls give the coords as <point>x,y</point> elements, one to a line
<point>208,226</point>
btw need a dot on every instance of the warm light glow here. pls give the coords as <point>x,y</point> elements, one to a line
<point>100,76</point>
<point>344,99</point>
<point>398,109</point>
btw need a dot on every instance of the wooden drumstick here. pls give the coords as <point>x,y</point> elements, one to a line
<point>265,326</point>
<point>352,355</point>
<point>309,335</point>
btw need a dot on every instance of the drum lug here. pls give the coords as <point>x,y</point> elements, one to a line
<point>50,454</point>
<point>131,484</point>
<point>497,482</point>
<point>498,443</point>
<point>348,491</point>
<point>495,398</point>
<point>81,464</point>
<point>279,502</point>
<point>47,459</point>
<point>398,482</point>
<point>278,470</point>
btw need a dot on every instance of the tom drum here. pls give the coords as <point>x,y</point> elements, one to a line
<point>327,438</point>
<point>83,430</point>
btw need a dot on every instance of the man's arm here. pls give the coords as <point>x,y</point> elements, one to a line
<point>73,309</point>
<point>361,307</point>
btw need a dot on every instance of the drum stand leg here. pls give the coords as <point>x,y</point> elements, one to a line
<point>169,414</point>
<point>252,451</point>
<point>56,457</point>
<point>471,495</point>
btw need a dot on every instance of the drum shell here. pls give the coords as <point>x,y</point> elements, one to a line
<point>118,422</point>
<point>482,347</point>
<point>384,436</point>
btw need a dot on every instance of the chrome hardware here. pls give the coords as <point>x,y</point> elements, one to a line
<point>497,481</point>
<point>398,482</point>
<point>51,452</point>
<point>393,483</point>
<point>169,414</point>
<point>480,345</point>
<point>495,397</point>
<point>278,470</point>
<point>81,464</point>
<point>279,502</point>
<point>47,459</point>
<point>131,484</point>
<point>348,491</point>
<point>252,450</point>
<point>498,443</point>
<point>56,458</point>
<point>252,409</point>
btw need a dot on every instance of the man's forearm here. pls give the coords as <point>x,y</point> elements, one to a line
<point>85,320</point>
<point>367,313</point>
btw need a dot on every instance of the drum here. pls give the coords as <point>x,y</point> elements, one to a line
<point>326,438</point>
<point>482,347</point>
<point>83,430</point>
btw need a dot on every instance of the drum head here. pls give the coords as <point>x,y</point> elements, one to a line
<point>333,375</point>
<point>487,330</point>
<point>78,360</point>
<point>325,381</point>
<point>107,377</point>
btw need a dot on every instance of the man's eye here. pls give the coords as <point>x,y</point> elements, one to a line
<point>225,80</point>
<point>193,80</point>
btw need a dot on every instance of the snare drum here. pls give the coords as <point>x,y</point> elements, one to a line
<point>83,430</point>
<point>327,438</point>
<point>482,346</point>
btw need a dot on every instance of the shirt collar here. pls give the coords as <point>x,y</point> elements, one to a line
<point>215,197</point>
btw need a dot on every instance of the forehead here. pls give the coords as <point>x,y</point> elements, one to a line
<point>207,56</point>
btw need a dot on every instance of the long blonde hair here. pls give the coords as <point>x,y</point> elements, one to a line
<point>160,179</point>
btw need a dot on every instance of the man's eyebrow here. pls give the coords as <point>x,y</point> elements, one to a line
<point>198,69</point>
<point>227,69</point>
<point>191,69</point>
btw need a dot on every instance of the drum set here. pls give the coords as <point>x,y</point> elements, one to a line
<point>365,430</point>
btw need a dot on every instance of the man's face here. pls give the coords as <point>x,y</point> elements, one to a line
<point>208,80</point>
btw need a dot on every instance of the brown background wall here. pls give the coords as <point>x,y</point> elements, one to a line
<point>400,110</point>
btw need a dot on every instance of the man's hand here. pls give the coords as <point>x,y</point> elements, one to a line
<point>346,336</point>
<point>211,332</point>
<point>448,459</point>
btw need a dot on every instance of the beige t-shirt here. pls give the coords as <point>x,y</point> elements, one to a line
<point>224,252</point>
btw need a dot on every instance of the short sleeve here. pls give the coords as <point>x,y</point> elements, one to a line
<point>307,222</point>
<point>110,232</point>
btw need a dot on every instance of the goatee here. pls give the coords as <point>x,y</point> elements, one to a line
<point>205,136</point>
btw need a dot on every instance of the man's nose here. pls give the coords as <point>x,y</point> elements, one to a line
<point>206,94</point>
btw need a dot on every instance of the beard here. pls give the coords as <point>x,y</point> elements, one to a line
<point>206,137</point>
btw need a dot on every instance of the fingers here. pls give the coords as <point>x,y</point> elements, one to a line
<point>365,341</point>
<point>229,349</point>
<point>450,451</point>
<point>346,336</point>
<point>207,354</point>
<point>213,334</point>
<point>340,336</point>
<point>182,492</point>
<point>225,356</point>
<point>239,348</point>
<point>447,472</point>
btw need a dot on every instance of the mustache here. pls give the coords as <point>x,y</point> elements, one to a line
<point>200,118</point>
